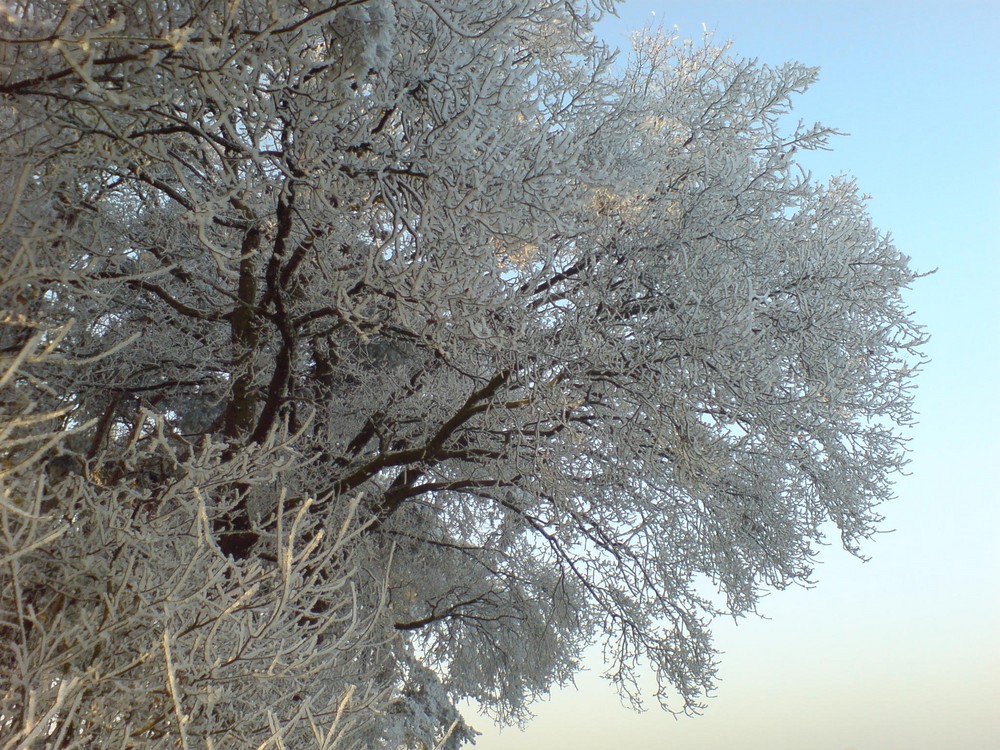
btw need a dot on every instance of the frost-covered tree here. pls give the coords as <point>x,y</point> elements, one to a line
<point>362,357</point>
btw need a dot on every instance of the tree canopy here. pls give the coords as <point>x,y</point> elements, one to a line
<point>358,358</point>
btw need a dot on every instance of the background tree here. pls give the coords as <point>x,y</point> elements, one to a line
<point>364,357</point>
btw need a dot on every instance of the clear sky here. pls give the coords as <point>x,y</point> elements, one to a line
<point>901,651</point>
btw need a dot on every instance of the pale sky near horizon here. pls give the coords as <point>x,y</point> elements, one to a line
<point>901,651</point>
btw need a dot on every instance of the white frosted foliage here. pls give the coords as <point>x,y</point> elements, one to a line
<point>361,358</point>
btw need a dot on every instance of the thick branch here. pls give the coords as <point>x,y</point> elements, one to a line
<point>175,303</point>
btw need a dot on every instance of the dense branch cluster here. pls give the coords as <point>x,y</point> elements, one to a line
<point>359,358</point>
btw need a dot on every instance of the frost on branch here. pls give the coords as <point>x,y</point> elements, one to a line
<point>360,358</point>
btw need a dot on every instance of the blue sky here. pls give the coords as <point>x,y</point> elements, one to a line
<point>901,651</point>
